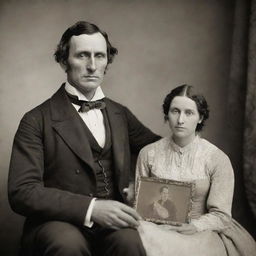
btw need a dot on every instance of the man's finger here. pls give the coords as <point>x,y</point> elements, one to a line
<point>131,212</point>
<point>127,218</point>
<point>119,223</point>
<point>114,227</point>
<point>125,191</point>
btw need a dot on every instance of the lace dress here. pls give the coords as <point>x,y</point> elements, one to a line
<point>206,165</point>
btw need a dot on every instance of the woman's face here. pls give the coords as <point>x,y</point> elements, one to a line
<point>183,118</point>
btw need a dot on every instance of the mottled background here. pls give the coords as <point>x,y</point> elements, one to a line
<point>161,43</point>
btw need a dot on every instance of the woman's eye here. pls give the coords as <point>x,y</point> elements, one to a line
<point>189,113</point>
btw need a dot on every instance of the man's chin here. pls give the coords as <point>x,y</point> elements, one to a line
<point>91,86</point>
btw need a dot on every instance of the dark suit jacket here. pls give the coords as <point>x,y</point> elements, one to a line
<point>51,170</point>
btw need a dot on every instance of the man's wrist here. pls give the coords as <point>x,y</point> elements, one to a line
<point>88,222</point>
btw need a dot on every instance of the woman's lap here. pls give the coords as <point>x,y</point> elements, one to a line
<point>165,242</point>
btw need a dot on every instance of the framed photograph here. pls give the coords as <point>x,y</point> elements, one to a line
<point>164,201</point>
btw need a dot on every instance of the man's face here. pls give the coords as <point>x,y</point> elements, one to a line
<point>87,62</point>
<point>164,194</point>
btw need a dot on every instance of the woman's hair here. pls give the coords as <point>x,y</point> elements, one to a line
<point>79,28</point>
<point>162,188</point>
<point>188,91</point>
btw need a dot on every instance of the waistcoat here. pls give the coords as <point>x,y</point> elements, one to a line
<point>103,162</point>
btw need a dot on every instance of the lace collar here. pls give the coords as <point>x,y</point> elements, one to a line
<point>187,148</point>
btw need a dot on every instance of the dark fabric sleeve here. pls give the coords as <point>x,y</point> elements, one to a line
<point>27,194</point>
<point>139,135</point>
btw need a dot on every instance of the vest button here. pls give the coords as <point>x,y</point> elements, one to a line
<point>77,171</point>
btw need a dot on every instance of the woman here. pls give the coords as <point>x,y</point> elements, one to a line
<point>184,156</point>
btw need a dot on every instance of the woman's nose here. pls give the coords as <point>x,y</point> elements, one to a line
<point>181,119</point>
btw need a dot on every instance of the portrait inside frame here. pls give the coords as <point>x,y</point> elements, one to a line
<point>164,201</point>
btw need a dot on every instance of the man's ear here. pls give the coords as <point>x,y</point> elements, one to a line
<point>201,120</point>
<point>106,68</point>
<point>64,65</point>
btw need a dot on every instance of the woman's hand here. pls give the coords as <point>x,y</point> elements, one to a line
<point>186,229</point>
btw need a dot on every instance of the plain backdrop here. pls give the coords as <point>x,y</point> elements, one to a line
<point>161,43</point>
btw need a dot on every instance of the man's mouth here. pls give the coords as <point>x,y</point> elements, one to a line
<point>91,77</point>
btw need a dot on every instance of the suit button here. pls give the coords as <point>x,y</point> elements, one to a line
<point>77,171</point>
<point>91,195</point>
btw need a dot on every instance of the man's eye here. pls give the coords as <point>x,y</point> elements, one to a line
<point>100,56</point>
<point>82,55</point>
<point>174,111</point>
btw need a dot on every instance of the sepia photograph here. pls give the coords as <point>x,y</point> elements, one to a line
<point>95,95</point>
<point>164,201</point>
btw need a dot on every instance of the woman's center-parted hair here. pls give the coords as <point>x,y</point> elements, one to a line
<point>188,91</point>
<point>79,28</point>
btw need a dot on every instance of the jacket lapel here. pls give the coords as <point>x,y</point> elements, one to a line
<point>117,127</point>
<point>68,124</point>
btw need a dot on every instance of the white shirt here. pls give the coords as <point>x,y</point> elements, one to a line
<point>95,122</point>
<point>94,117</point>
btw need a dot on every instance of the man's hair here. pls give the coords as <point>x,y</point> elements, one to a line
<point>79,28</point>
<point>162,188</point>
<point>188,91</point>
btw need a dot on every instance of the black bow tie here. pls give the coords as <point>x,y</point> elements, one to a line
<point>85,106</point>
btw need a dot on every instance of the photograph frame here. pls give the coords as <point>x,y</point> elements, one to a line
<point>182,193</point>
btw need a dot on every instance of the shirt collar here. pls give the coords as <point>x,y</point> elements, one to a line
<point>98,95</point>
<point>187,148</point>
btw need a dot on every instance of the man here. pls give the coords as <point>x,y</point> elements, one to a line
<point>163,209</point>
<point>70,162</point>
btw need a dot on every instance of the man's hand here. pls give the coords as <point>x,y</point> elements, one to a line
<point>130,193</point>
<point>115,215</point>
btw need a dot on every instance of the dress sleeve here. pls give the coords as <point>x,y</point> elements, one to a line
<point>143,164</point>
<point>219,201</point>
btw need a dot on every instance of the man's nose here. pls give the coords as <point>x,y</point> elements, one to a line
<point>91,65</point>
